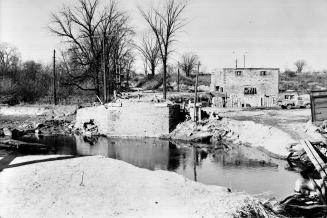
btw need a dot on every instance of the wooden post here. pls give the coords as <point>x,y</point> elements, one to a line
<point>319,165</point>
<point>127,77</point>
<point>195,161</point>
<point>54,78</point>
<point>178,77</point>
<point>196,93</point>
<point>104,71</point>
<point>119,78</point>
<point>116,72</point>
<point>244,60</point>
<point>109,85</point>
<point>313,114</point>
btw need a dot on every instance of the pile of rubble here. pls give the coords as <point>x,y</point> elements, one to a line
<point>210,131</point>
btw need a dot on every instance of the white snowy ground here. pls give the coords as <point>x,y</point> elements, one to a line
<point>102,187</point>
<point>271,138</point>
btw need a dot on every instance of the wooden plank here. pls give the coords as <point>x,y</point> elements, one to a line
<point>11,143</point>
<point>319,165</point>
<point>321,107</point>
<point>320,99</point>
<point>320,103</point>
<point>320,113</point>
<point>314,157</point>
<point>313,113</point>
<point>324,94</point>
<point>321,116</point>
<point>319,93</point>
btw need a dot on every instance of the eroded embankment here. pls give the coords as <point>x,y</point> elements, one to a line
<point>234,132</point>
<point>102,187</point>
<point>20,120</point>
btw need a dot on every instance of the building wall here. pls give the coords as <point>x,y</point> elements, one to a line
<point>266,86</point>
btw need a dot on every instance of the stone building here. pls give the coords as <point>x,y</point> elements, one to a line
<point>245,87</point>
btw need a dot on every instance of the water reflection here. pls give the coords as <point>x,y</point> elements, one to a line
<point>146,153</point>
<point>231,169</point>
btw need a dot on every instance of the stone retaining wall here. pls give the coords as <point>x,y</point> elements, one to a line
<point>140,119</point>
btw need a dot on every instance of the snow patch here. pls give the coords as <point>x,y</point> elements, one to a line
<point>271,138</point>
<point>102,187</point>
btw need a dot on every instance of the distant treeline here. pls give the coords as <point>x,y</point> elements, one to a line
<point>303,82</point>
<point>29,81</point>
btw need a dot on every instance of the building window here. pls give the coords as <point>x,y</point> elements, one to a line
<point>219,89</point>
<point>238,73</point>
<point>289,97</point>
<point>250,91</point>
<point>263,73</point>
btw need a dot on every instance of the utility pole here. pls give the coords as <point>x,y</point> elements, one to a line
<point>127,76</point>
<point>244,60</point>
<point>196,93</point>
<point>178,77</point>
<point>195,162</point>
<point>104,71</point>
<point>54,78</point>
<point>119,77</point>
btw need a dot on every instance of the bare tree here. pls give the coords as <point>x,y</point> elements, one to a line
<point>9,57</point>
<point>165,21</point>
<point>188,63</point>
<point>93,35</point>
<point>299,65</point>
<point>149,49</point>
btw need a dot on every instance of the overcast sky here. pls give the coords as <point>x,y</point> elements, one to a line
<point>272,33</point>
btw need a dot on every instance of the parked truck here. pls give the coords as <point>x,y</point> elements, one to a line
<point>290,100</point>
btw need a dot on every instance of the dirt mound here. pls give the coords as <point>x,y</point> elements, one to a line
<point>237,132</point>
<point>155,82</point>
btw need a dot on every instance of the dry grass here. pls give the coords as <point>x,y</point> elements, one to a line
<point>258,209</point>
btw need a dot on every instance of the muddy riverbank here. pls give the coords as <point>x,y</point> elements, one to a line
<point>242,133</point>
<point>243,169</point>
<point>37,119</point>
<point>260,141</point>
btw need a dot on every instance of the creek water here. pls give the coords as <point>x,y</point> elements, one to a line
<point>222,168</point>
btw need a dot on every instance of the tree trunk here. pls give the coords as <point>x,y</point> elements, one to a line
<point>164,61</point>
<point>153,68</point>
<point>97,85</point>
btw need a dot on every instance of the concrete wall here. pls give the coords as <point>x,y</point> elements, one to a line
<point>267,86</point>
<point>139,119</point>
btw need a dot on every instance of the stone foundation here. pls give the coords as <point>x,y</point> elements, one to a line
<point>138,119</point>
